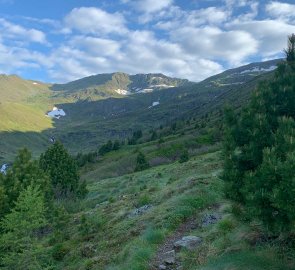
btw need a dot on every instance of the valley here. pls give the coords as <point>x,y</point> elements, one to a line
<point>94,110</point>
<point>172,213</point>
<point>147,135</point>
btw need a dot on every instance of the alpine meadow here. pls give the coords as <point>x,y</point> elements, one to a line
<point>147,135</point>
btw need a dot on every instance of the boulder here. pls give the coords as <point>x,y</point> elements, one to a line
<point>169,257</point>
<point>188,242</point>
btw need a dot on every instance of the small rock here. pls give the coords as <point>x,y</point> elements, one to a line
<point>169,257</point>
<point>101,204</point>
<point>162,267</point>
<point>209,219</point>
<point>189,242</point>
<point>139,211</point>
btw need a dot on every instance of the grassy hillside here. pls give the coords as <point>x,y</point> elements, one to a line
<point>130,219</point>
<point>101,114</point>
<point>107,230</point>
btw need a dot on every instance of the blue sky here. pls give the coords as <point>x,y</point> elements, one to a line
<point>59,41</point>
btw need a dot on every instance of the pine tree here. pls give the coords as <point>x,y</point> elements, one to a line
<point>141,162</point>
<point>184,157</point>
<point>62,169</point>
<point>154,135</point>
<point>259,147</point>
<point>290,51</point>
<point>24,172</point>
<point>18,242</point>
<point>116,145</point>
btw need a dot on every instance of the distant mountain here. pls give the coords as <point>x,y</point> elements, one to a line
<point>13,88</point>
<point>240,75</point>
<point>116,84</point>
<point>108,106</point>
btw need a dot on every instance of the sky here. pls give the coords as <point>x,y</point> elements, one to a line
<point>64,40</point>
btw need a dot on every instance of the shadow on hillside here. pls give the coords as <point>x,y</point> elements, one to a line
<point>88,124</point>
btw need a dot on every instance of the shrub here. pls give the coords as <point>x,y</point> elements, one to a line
<point>59,251</point>
<point>141,162</point>
<point>184,157</point>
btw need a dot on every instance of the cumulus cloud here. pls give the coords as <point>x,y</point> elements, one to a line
<point>150,6</point>
<point>140,52</point>
<point>13,59</point>
<point>270,35</point>
<point>95,21</point>
<point>192,44</point>
<point>280,10</point>
<point>18,32</point>
<point>211,42</point>
<point>96,46</point>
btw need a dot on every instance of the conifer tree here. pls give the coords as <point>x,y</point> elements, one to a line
<point>290,51</point>
<point>116,145</point>
<point>18,242</point>
<point>63,171</point>
<point>24,172</point>
<point>184,156</point>
<point>141,162</point>
<point>259,150</point>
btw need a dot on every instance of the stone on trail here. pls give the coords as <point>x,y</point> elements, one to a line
<point>169,257</point>
<point>188,242</point>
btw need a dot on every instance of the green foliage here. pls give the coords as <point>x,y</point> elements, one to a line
<point>143,200</point>
<point>108,147</point>
<point>154,136</point>
<point>18,247</point>
<point>153,236</point>
<point>116,145</point>
<point>259,151</point>
<point>63,171</point>
<point>290,51</point>
<point>184,157</point>
<point>135,137</point>
<point>60,222</point>
<point>23,173</point>
<point>59,251</point>
<point>141,162</point>
<point>83,159</point>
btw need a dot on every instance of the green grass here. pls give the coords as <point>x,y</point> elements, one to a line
<point>264,259</point>
<point>92,117</point>
<point>175,192</point>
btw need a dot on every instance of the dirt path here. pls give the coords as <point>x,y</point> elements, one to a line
<point>182,230</point>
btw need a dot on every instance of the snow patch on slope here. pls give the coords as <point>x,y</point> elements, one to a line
<point>155,103</point>
<point>56,113</point>
<point>258,69</point>
<point>122,92</point>
<point>162,86</point>
<point>4,168</point>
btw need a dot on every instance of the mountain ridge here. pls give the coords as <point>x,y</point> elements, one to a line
<point>92,114</point>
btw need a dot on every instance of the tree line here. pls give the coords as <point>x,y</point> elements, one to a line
<point>29,193</point>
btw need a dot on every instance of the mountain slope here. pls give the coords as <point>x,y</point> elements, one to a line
<point>115,85</point>
<point>97,113</point>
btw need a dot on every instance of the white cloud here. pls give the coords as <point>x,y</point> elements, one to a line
<point>18,32</point>
<point>95,21</point>
<point>96,46</point>
<point>140,52</point>
<point>150,6</point>
<point>176,18</point>
<point>15,58</point>
<point>280,10</point>
<point>182,43</point>
<point>213,43</point>
<point>271,35</point>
